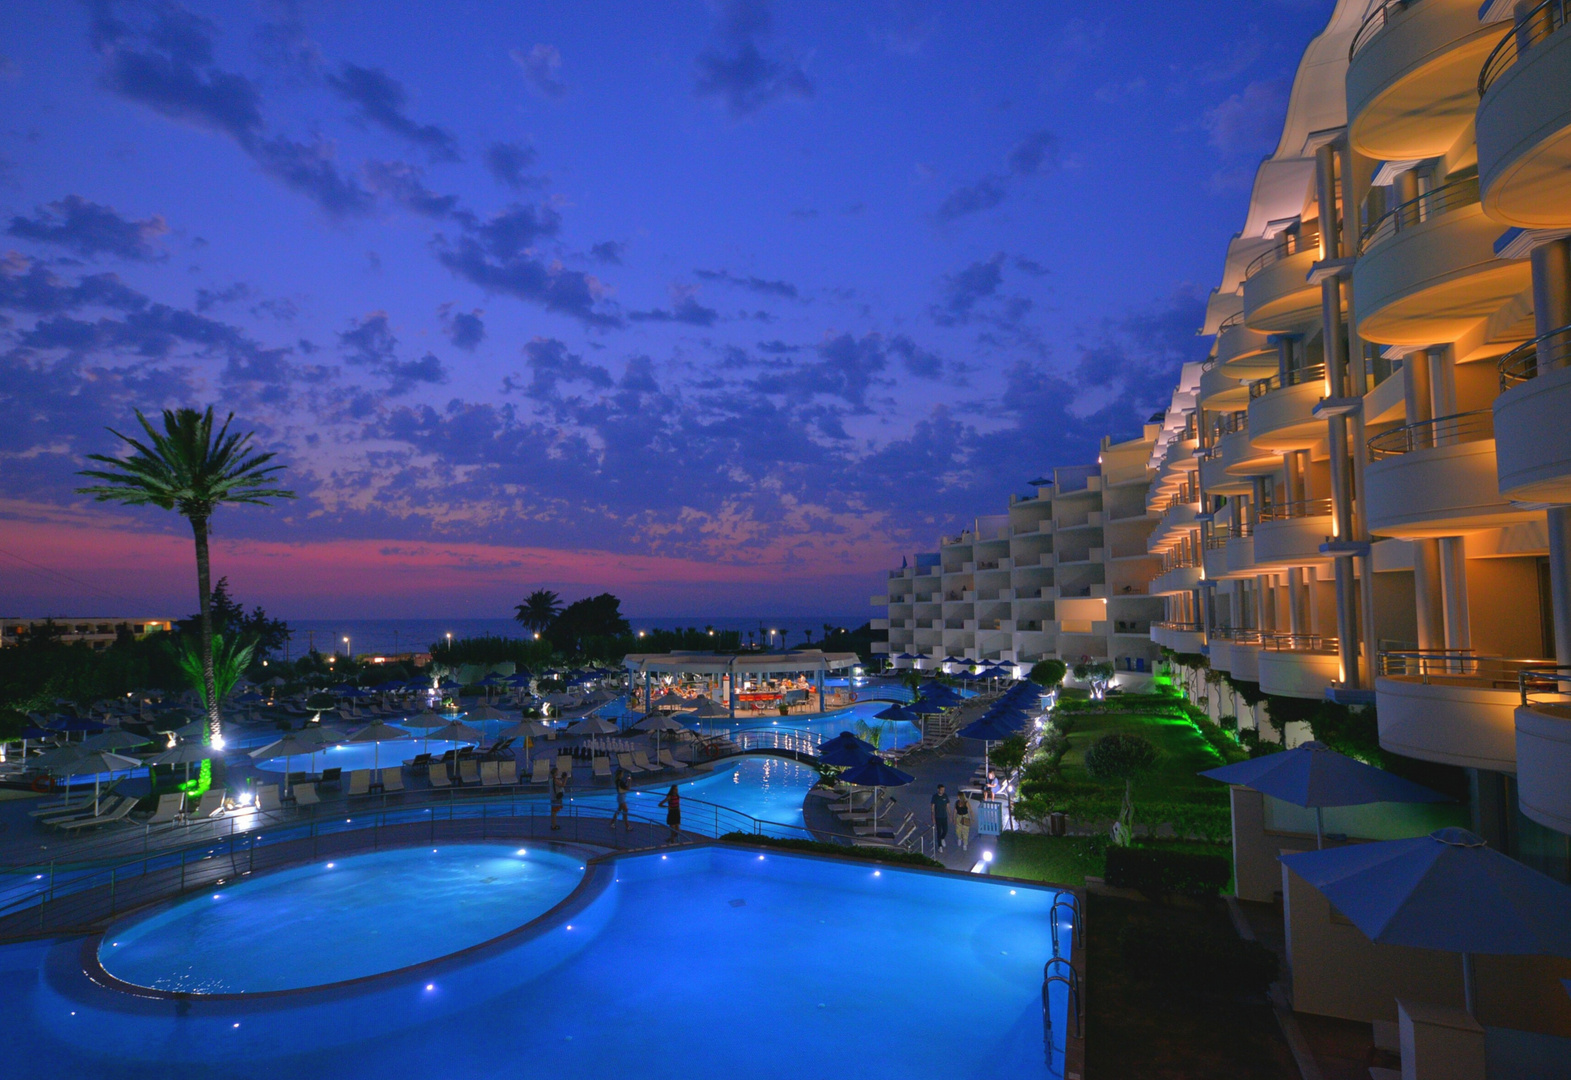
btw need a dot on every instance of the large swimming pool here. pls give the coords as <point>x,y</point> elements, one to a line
<point>342,919</point>
<point>765,789</point>
<point>690,965</point>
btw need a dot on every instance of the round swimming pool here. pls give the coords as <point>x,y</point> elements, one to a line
<point>332,921</point>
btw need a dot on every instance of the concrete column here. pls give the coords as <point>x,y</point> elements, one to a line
<point>1366,596</point>
<point>1292,481</point>
<point>1312,600</point>
<point>1559,522</point>
<point>1262,603</point>
<point>1284,357</point>
<point>1335,343</point>
<point>1347,622</point>
<point>1442,385</point>
<point>1297,617</point>
<point>1427,594</point>
<point>1551,300</point>
<point>1340,468</point>
<point>1417,397</point>
<point>1325,195</point>
<point>1453,585</point>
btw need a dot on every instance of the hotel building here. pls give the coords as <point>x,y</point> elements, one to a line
<point>1063,572</point>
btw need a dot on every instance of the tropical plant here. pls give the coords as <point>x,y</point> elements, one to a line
<point>870,732</point>
<point>231,656</point>
<point>539,610</point>
<point>192,470</point>
<point>1122,757</point>
<point>1098,673</point>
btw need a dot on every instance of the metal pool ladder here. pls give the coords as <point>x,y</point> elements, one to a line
<point>1072,982</point>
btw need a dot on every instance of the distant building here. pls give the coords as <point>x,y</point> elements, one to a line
<point>97,631</point>
<point>1062,573</point>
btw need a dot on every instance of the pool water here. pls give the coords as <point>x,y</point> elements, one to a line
<point>347,756</point>
<point>768,789</point>
<point>331,921</point>
<point>699,964</point>
<point>897,735</point>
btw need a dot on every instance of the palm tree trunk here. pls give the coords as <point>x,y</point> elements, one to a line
<point>205,596</point>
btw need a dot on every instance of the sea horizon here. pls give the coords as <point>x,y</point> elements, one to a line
<point>417,635</point>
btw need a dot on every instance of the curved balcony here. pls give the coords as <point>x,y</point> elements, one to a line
<point>1532,437</point>
<point>1218,481</point>
<point>1298,665</point>
<point>1277,295</point>
<point>1180,637</point>
<point>1282,417</point>
<point>1429,272</point>
<point>1240,458</point>
<point>1177,580</point>
<point>1241,553</point>
<point>1437,478</point>
<point>1412,76</point>
<point>1543,747</point>
<point>1216,558</point>
<point>1291,533</point>
<point>1451,707</point>
<point>1524,121</point>
<point>1222,389</point>
<point>1239,346</point>
<point>1244,660</point>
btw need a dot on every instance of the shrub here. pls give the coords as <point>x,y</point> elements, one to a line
<point>881,855</point>
<point>1157,873</point>
<point>1120,757</point>
<point>1009,753</point>
<point>1206,961</point>
<point>1048,673</point>
<point>1227,723</point>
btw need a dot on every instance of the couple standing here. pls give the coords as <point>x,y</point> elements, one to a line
<point>962,816</point>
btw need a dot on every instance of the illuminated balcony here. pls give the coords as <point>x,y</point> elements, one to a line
<point>1277,295</point>
<point>1222,389</point>
<point>1453,708</point>
<point>1240,457</point>
<point>1532,437</point>
<point>1241,553</point>
<point>1412,77</point>
<point>1543,747</point>
<point>1177,580</point>
<point>1524,122</point>
<point>1437,478</point>
<point>1282,417</point>
<point>1291,533</point>
<point>1180,637</point>
<point>1239,347</point>
<point>1297,665</point>
<point>1429,272</point>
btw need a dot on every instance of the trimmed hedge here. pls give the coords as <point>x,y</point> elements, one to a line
<point>1157,873</point>
<point>849,851</point>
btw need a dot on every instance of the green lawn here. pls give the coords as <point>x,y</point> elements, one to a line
<point>1066,860</point>
<point>1185,752</point>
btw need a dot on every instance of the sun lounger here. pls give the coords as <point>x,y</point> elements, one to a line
<point>508,773</point>
<point>438,775</point>
<point>75,802</point>
<point>117,814</point>
<point>626,761</point>
<point>489,777</point>
<point>885,827</point>
<point>670,762</point>
<point>392,780</point>
<point>211,805</point>
<point>541,774</point>
<point>359,782</point>
<point>468,770</point>
<point>564,763</point>
<point>602,766</point>
<point>641,759</point>
<point>331,776</point>
<point>170,804</point>
<point>267,798</point>
<point>419,761</point>
<point>305,794</point>
<point>83,810</point>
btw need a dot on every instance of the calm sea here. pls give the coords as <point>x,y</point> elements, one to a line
<point>417,635</point>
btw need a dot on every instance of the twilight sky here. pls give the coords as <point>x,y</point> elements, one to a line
<point>720,306</point>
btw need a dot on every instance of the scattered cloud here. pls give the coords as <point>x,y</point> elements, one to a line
<point>541,65</point>
<point>608,252</point>
<point>371,344</point>
<point>782,289</point>
<point>1247,123</point>
<point>684,308</point>
<point>736,72</point>
<point>381,99</point>
<point>1033,155</point>
<point>510,162</point>
<point>465,329</point>
<point>90,229</point>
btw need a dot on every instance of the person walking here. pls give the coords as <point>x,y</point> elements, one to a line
<point>940,818</point>
<point>673,815</point>
<point>963,821</point>
<point>558,791</point>
<point>624,783</point>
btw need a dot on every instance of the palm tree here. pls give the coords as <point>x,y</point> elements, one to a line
<point>539,609</point>
<point>193,471</point>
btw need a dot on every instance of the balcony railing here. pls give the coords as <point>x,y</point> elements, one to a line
<point>1295,377</point>
<point>1290,244</point>
<point>1531,359</point>
<point>1235,319</point>
<point>1183,627</point>
<point>1526,32</point>
<point>1431,204</point>
<point>1216,542</point>
<point>1240,529</point>
<point>1281,642</point>
<point>1375,22</point>
<point>1475,426</point>
<point>1300,508</point>
<point>1461,665</point>
<point>1549,685</point>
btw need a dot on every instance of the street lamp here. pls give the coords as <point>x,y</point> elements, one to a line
<point>347,654</point>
